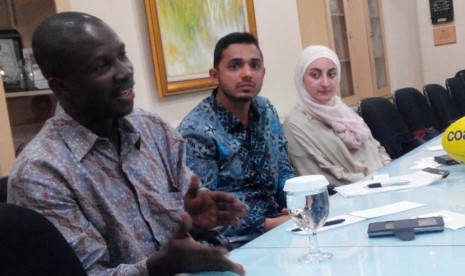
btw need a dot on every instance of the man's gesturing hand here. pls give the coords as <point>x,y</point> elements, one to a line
<point>212,208</point>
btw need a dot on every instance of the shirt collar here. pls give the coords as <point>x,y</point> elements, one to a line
<point>81,140</point>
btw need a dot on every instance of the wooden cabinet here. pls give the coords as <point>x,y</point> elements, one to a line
<point>23,113</point>
<point>354,29</point>
<point>7,155</point>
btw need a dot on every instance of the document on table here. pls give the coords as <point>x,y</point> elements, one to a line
<point>425,163</point>
<point>386,209</point>
<point>435,148</point>
<point>361,215</point>
<point>452,220</point>
<point>414,180</point>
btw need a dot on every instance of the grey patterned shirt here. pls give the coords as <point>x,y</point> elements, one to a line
<point>114,209</point>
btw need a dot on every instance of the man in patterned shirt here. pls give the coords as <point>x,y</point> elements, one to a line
<point>111,178</point>
<point>234,139</point>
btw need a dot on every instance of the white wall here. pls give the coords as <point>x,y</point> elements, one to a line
<point>412,57</point>
<point>441,62</point>
<point>278,35</point>
<point>402,43</point>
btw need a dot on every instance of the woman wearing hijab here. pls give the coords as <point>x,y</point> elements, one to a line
<point>325,136</point>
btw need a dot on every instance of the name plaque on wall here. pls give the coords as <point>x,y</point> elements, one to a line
<point>441,11</point>
<point>444,35</point>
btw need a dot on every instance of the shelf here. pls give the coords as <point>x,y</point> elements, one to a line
<point>28,93</point>
<point>24,112</point>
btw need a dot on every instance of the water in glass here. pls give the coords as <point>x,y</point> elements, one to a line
<point>309,210</point>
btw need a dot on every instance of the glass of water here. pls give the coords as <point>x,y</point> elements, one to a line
<point>308,204</point>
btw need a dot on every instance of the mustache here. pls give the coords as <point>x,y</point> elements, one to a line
<point>129,84</point>
<point>246,83</point>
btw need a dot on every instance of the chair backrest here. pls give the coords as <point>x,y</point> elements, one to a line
<point>3,188</point>
<point>31,245</point>
<point>387,126</point>
<point>460,74</point>
<point>415,110</point>
<point>442,105</point>
<point>456,88</point>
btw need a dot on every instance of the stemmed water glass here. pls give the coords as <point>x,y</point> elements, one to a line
<point>308,204</point>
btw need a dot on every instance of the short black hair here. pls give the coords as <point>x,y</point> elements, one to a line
<point>232,38</point>
<point>53,41</point>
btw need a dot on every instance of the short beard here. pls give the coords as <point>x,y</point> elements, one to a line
<point>235,98</point>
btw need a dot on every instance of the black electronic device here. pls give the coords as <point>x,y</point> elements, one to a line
<point>405,229</point>
<point>443,173</point>
<point>445,160</point>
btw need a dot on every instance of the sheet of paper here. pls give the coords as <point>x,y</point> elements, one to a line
<point>348,219</point>
<point>425,163</point>
<point>452,220</point>
<point>435,148</point>
<point>386,209</point>
<point>416,179</point>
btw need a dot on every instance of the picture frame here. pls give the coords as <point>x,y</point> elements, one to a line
<point>36,79</point>
<point>183,34</point>
<point>11,59</point>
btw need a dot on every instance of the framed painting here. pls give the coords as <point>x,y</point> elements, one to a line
<point>10,59</point>
<point>183,34</point>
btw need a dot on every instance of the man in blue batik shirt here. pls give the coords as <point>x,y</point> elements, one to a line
<point>234,139</point>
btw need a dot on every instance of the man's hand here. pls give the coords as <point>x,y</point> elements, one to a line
<point>183,255</point>
<point>212,208</point>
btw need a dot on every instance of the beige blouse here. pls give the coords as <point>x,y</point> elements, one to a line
<point>313,148</point>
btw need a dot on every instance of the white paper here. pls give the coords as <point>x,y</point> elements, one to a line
<point>348,220</point>
<point>452,220</point>
<point>425,163</point>
<point>381,177</point>
<point>417,179</point>
<point>386,209</point>
<point>435,148</point>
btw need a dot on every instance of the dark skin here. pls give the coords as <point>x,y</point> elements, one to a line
<point>97,94</point>
<point>182,251</point>
<point>93,93</point>
<point>211,208</point>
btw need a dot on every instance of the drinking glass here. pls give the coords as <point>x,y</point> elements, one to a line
<point>308,204</point>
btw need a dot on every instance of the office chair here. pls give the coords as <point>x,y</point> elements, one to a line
<point>3,188</point>
<point>387,126</point>
<point>31,245</point>
<point>442,105</point>
<point>417,113</point>
<point>460,74</point>
<point>456,88</point>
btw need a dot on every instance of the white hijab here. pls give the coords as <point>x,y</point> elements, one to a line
<point>347,124</point>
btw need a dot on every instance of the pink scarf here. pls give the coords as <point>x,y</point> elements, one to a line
<point>347,124</point>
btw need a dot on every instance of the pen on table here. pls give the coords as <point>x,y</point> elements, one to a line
<point>328,223</point>
<point>388,184</point>
<point>333,222</point>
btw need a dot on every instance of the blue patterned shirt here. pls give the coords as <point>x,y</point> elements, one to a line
<point>249,161</point>
<point>115,210</point>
